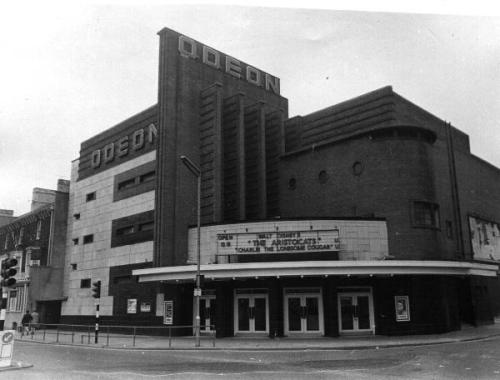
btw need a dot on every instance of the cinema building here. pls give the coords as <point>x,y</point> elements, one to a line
<point>368,217</point>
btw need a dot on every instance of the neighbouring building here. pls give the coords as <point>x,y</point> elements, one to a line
<point>37,240</point>
<point>368,217</point>
<point>6,216</point>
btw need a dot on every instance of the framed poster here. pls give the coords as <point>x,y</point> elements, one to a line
<point>168,312</point>
<point>402,308</point>
<point>145,307</point>
<point>132,306</point>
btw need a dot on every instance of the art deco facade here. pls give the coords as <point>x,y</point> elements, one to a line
<point>371,216</point>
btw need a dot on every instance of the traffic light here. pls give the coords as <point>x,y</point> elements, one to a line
<point>96,289</point>
<point>8,272</point>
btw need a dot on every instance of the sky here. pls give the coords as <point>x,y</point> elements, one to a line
<point>69,70</point>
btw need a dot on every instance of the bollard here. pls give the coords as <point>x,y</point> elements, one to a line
<point>169,337</point>
<point>107,337</point>
<point>57,336</point>
<point>133,342</point>
<point>72,334</point>
<point>44,329</point>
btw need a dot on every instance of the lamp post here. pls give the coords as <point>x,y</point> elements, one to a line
<point>197,291</point>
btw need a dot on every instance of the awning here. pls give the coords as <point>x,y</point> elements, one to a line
<point>317,268</point>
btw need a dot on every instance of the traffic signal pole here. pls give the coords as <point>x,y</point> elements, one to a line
<point>96,323</point>
<point>7,274</point>
<point>3,310</point>
<point>96,293</point>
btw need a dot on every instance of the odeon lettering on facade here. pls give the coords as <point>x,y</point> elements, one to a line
<point>237,69</point>
<point>121,147</point>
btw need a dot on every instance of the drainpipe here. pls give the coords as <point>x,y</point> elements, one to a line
<point>457,214</point>
<point>51,236</point>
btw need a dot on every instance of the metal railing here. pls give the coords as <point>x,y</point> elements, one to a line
<point>117,335</point>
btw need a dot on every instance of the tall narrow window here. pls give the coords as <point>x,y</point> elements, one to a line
<point>20,237</point>
<point>38,230</point>
<point>449,229</point>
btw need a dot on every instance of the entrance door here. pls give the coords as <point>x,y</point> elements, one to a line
<point>251,313</point>
<point>303,312</point>
<point>207,313</point>
<point>355,312</point>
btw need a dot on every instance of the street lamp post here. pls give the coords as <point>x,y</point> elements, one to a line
<point>197,291</point>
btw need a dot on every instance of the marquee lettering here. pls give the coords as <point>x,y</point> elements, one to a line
<point>231,66</point>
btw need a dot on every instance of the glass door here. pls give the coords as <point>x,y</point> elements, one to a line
<point>355,313</point>
<point>303,312</point>
<point>251,313</point>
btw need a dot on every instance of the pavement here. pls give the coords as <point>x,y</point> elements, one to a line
<point>120,341</point>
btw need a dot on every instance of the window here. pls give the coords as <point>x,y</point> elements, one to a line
<point>148,226</point>
<point>20,237</point>
<point>425,214</point>
<point>125,230</point>
<point>357,168</point>
<point>38,229</point>
<point>76,216</point>
<point>75,241</point>
<point>12,300</point>
<point>91,196</point>
<point>85,283</point>
<point>449,229</point>
<point>132,229</point>
<point>150,176</point>
<point>16,299</point>
<point>126,184</point>
<point>323,176</point>
<point>88,239</point>
<point>135,181</point>
<point>74,266</point>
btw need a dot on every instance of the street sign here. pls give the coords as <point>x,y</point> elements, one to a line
<point>6,347</point>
